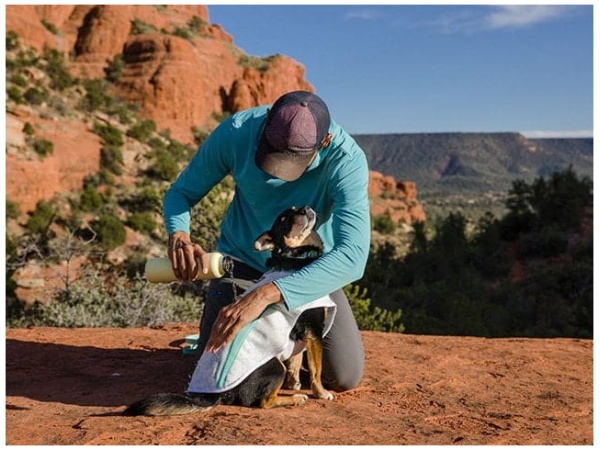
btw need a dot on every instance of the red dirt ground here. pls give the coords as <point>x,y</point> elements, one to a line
<point>68,386</point>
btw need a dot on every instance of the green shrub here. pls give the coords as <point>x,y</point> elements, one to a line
<point>102,177</point>
<point>109,134</point>
<point>143,222</point>
<point>105,177</point>
<point>199,136</point>
<point>165,166</point>
<point>12,41</point>
<point>15,94</point>
<point>110,231</point>
<point>197,25</point>
<point>50,27</point>
<point>369,317</point>
<point>11,247</point>
<point>111,159</point>
<point>96,97</point>
<point>13,210</point>
<point>135,264</point>
<point>90,199</point>
<point>142,130</point>
<point>140,27</point>
<point>123,112</point>
<point>43,147</point>
<point>383,224</point>
<point>35,96</point>
<point>184,33</point>
<point>559,200</point>
<point>114,70</point>
<point>93,302</point>
<point>255,62</point>
<point>181,152</point>
<point>24,58</point>
<point>209,213</point>
<point>19,80</point>
<point>41,218</point>
<point>60,78</point>
<point>28,129</point>
<point>144,200</point>
<point>157,143</point>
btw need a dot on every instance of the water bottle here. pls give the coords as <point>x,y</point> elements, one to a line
<point>159,270</point>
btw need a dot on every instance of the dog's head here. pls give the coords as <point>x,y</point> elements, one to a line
<point>292,237</point>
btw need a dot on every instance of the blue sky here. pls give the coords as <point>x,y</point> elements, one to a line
<point>405,69</point>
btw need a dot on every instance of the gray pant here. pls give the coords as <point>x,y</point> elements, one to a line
<point>343,354</point>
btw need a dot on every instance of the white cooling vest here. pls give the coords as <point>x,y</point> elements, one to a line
<point>258,342</point>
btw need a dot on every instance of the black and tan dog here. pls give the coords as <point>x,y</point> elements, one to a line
<point>293,244</point>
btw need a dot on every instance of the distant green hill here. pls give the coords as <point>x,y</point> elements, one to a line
<point>472,162</point>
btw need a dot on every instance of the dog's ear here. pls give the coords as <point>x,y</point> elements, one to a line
<point>264,242</point>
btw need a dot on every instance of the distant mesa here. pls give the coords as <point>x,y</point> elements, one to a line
<point>473,162</point>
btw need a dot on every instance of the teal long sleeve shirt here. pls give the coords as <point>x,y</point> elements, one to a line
<point>335,186</point>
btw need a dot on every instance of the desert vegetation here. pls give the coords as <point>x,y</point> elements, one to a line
<point>518,263</point>
<point>527,273</point>
<point>90,223</point>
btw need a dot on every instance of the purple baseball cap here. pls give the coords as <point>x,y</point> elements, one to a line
<point>297,124</point>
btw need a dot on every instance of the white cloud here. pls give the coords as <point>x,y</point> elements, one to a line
<point>538,134</point>
<point>462,21</point>
<point>517,16</point>
<point>363,14</point>
<point>488,18</point>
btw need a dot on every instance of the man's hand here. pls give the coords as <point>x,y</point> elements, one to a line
<point>232,318</point>
<point>186,258</point>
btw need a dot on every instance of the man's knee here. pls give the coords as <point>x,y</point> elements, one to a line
<point>345,382</point>
<point>343,374</point>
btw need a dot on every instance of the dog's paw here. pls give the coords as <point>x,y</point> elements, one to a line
<point>324,395</point>
<point>327,396</point>
<point>300,399</point>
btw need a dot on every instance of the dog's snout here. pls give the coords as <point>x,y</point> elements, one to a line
<point>306,210</point>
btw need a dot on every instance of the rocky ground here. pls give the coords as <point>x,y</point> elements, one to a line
<point>68,386</point>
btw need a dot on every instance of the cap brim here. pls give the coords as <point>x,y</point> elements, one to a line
<point>285,165</point>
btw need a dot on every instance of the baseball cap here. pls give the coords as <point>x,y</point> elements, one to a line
<point>296,125</point>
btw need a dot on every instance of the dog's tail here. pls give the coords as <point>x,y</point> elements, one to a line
<point>173,404</point>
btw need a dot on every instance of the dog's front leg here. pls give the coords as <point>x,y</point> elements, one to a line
<point>273,399</point>
<point>314,349</point>
<point>292,372</point>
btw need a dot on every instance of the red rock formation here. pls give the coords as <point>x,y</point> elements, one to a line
<point>396,198</point>
<point>180,83</point>
<point>102,33</point>
<point>29,178</point>
<point>256,88</point>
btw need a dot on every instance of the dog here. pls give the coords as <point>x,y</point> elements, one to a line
<point>293,243</point>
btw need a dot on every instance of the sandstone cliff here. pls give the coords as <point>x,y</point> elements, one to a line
<point>398,199</point>
<point>180,69</point>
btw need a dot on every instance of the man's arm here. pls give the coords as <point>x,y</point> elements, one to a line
<point>205,170</point>
<point>232,318</point>
<point>346,261</point>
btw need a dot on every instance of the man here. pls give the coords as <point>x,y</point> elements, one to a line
<point>291,154</point>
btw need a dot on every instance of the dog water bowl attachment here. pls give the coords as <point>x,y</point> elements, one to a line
<point>192,347</point>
